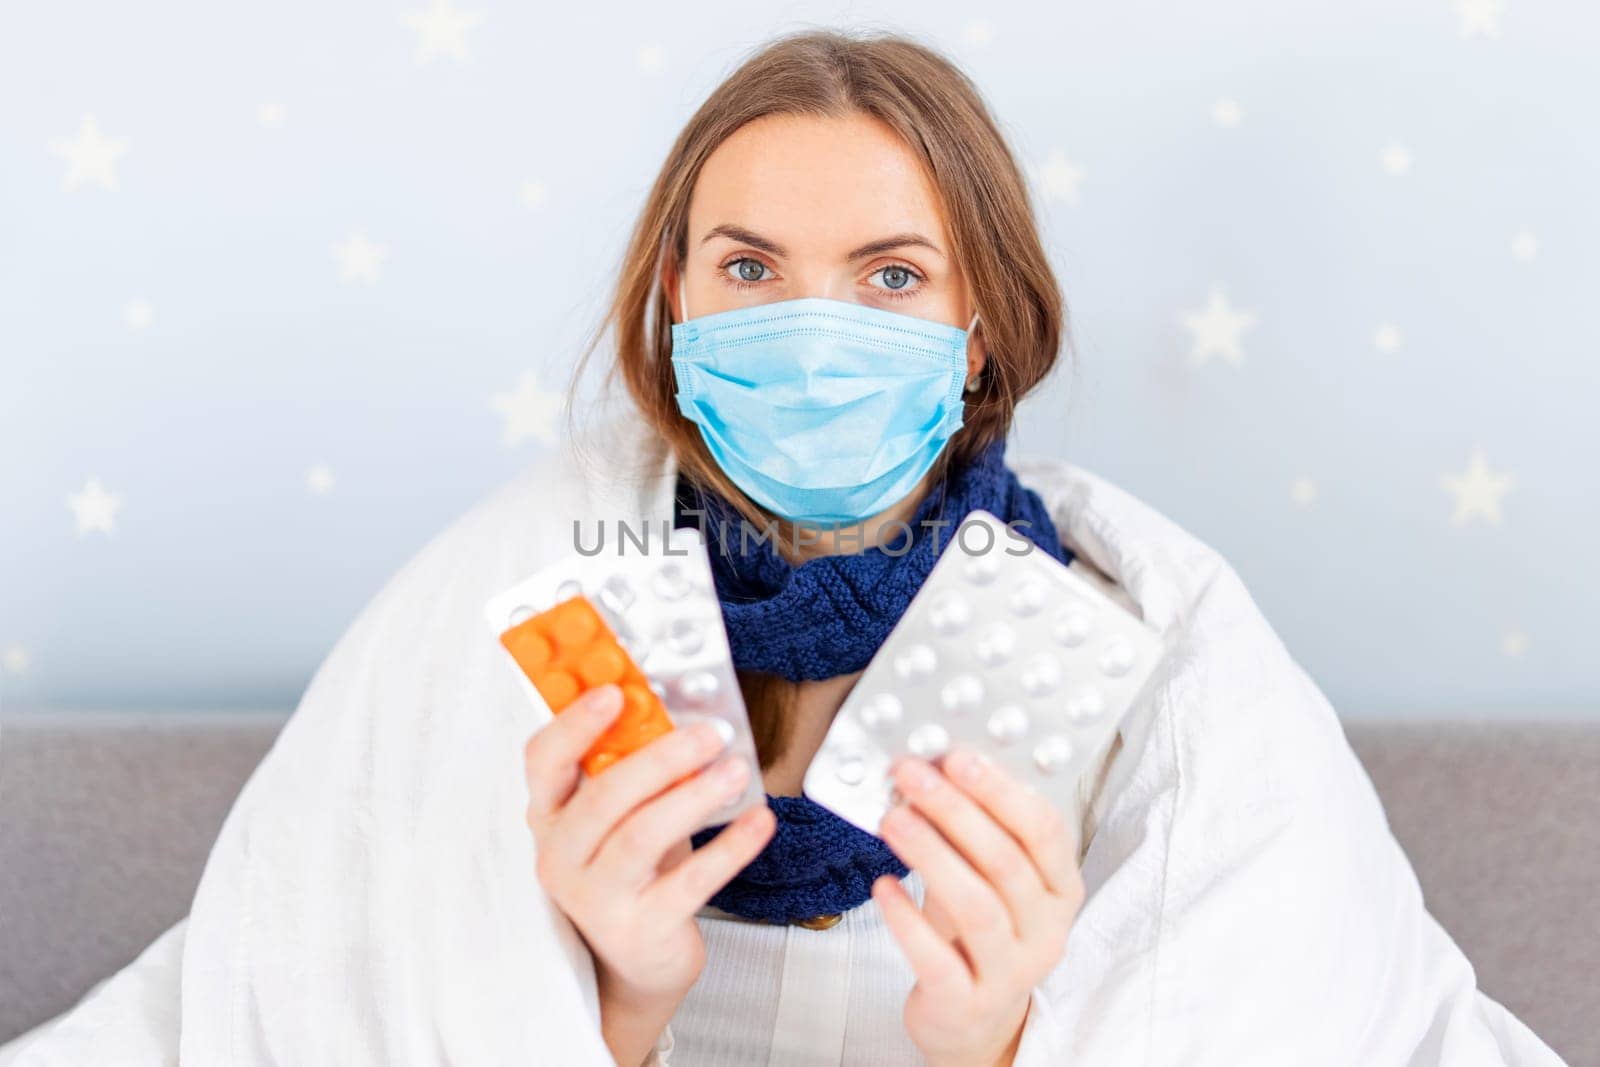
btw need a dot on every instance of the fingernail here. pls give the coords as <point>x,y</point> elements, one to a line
<point>715,735</point>
<point>968,765</point>
<point>732,773</point>
<point>916,777</point>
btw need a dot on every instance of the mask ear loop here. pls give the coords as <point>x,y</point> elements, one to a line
<point>683,301</point>
<point>976,383</point>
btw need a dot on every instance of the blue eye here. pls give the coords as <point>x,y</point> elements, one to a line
<point>749,270</point>
<point>897,280</point>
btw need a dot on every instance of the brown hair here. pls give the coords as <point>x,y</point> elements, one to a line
<point>939,113</point>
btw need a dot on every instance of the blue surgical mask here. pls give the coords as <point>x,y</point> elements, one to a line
<point>822,411</point>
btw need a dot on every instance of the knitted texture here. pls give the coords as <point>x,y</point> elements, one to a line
<point>826,617</point>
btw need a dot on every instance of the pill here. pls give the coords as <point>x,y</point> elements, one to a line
<point>916,663</point>
<point>1052,754</point>
<point>571,623</point>
<point>698,687</point>
<point>1072,626</point>
<point>671,582</point>
<point>528,647</point>
<point>981,570</point>
<point>949,614</point>
<point>557,687</point>
<point>616,595</point>
<point>928,741</point>
<point>851,770</point>
<point>961,694</point>
<point>724,729</point>
<point>601,664</point>
<point>1027,597</point>
<point>1116,657</point>
<point>995,644</point>
<point>686,636</point>
<point>1040,674</point>
<point>1007,724</point>
<point>1085,703</point>
<point>633,642</point>
<point>881,712</point>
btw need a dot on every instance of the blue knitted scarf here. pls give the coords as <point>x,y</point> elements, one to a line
<point>823,618</point>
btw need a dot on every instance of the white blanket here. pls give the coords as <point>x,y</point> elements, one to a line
<point>372,900</point>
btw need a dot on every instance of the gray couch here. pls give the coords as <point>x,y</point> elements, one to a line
<point>105,822</point>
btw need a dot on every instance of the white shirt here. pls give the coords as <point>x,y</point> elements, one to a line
<point>788,995</point>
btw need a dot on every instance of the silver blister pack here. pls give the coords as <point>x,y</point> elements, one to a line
<point>662,607</point>
<point>1001,649</point>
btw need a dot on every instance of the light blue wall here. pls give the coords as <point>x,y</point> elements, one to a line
<point>256,140</point>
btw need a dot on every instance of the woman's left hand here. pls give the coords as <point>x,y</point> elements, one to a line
<point>1002,889</point>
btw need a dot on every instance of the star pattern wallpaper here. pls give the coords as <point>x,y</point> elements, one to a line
<point>283,290</point>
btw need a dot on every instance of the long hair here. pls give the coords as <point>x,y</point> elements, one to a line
<point>941,116</point>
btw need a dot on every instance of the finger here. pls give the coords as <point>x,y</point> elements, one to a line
<point>982,841</point>
<point>602,802</point>
<point>939,919</point>
<point>686,888</point>
<point>934,911</point>
<point>935,961</point>
<point>550,758</point>
<point>637,846</point>
<point>980,916</point>
<point>679,852</point>
<point>1028,816</point>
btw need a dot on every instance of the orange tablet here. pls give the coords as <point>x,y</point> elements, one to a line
<point>568,650</point>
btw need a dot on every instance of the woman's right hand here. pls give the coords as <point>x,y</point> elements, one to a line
<point>613,850</point>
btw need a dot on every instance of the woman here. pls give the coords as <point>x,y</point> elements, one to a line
<point>870,176</point>
<point>409,878</point>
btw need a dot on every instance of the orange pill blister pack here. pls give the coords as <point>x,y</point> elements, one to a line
<point>647,621</point>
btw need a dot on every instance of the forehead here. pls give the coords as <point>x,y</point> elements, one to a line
<point>816,184</point>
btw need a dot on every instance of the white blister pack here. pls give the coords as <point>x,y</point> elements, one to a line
<point>1004,650</point>
<point>661,605</point>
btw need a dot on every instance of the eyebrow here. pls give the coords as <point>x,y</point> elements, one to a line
<point>772,248</point>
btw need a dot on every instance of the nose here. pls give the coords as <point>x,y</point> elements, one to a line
<point>827,285</point>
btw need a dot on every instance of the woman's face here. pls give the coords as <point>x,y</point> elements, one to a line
<point>795,206</point>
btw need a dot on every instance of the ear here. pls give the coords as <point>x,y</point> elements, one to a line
<point>977,352</point>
